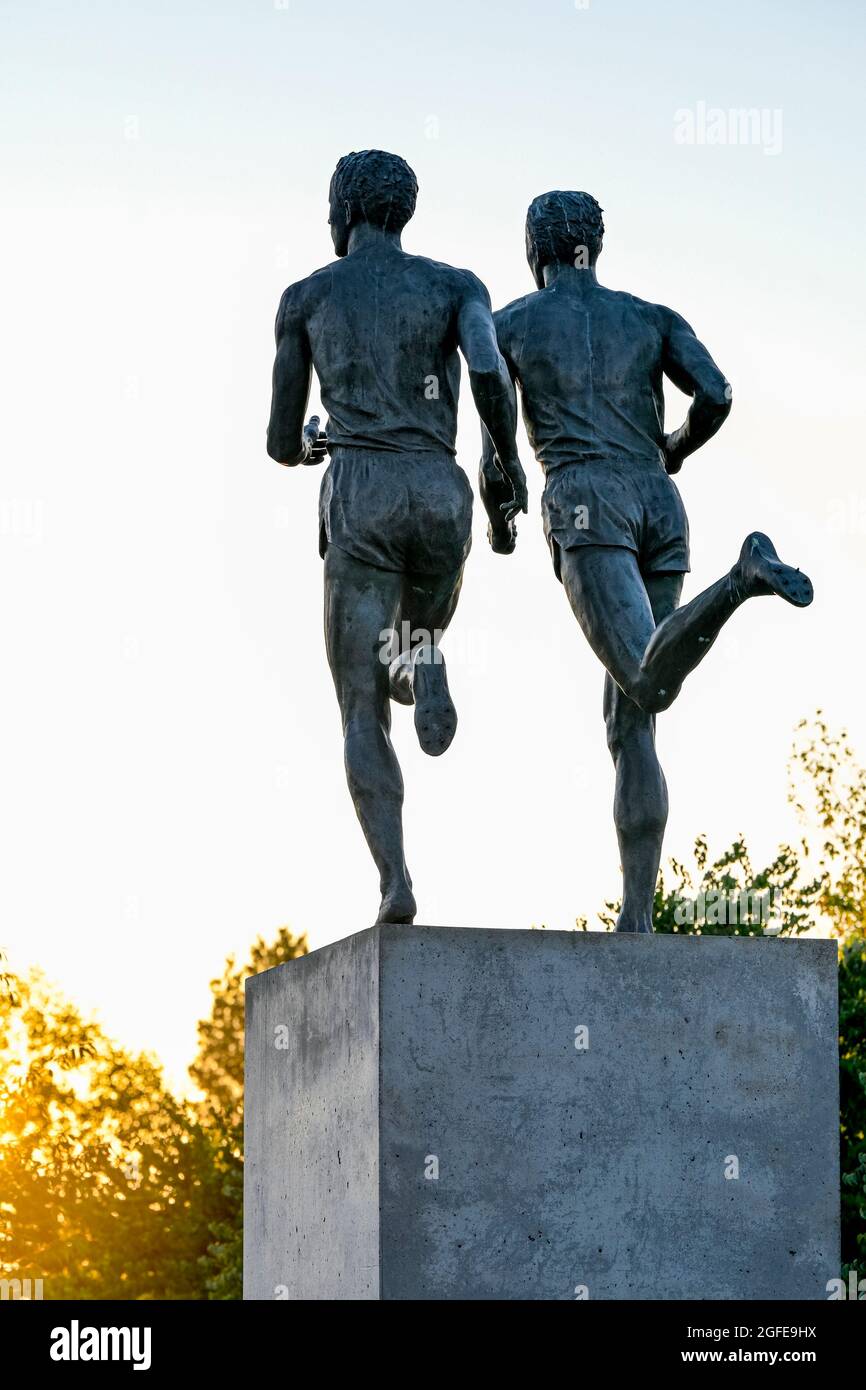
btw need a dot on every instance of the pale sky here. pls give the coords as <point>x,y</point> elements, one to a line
<point>173,781</point>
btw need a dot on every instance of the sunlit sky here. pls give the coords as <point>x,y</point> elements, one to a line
<point>172,764</point>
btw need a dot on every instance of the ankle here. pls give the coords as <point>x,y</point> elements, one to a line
<point>737,586</point>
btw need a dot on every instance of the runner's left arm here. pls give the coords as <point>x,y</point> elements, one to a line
<point>492,387</point>
<point>689,366</point>
<point>494,486</point>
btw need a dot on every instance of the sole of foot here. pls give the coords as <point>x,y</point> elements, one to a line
<point>397,909</point>
<point>435,715</point>
<point>763,572</point>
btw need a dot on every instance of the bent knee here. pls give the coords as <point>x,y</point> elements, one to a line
<point>650,697</point>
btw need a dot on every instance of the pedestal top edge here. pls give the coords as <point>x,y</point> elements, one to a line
<point>823,947</point>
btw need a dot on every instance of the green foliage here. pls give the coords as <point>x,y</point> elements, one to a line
<point>727,897</point>
<point>110,1187</point>
<point>829,791</point>
<point>852,1097</point>
<point>218,1069</point>
<point>219,1072</point>
<point>108,1184</point>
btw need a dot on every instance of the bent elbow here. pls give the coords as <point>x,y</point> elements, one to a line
<point>489,377</point>
<point>280,453</point>
<point>719,397</point>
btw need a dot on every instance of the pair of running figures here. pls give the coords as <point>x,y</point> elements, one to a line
<point>382,330</point>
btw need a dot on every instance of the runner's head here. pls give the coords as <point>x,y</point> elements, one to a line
<point>562,227</point>
<point>373,187</point>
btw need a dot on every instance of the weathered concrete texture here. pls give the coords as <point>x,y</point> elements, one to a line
<point>311,1130</point>
<point>418,1051</point>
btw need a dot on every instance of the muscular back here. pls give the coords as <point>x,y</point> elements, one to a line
<point>590,365</point>
<point>382,332</point>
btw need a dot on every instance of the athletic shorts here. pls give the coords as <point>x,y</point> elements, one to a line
<point>633,505</point>
<point>405,512</point>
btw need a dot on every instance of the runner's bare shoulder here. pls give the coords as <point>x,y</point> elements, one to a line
<point>458,284</point>
<point>299,299</point>
<point>659,316</point>
<point>510,322</point>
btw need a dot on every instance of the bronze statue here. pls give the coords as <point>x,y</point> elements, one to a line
<point>382,330</point>
<point>589,363</point>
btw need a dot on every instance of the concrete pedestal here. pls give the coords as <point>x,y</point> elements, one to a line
<point>440,1113</point>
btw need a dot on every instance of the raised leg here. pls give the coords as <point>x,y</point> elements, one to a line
<point>418,675</point>
<point>648,646</point>
<point>362,603</point>
<point>650,663</point>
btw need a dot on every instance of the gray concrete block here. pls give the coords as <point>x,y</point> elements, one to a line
<point>311,1126</point>
<point>439,1125</point>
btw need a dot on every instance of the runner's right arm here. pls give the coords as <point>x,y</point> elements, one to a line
<point>290,441</point>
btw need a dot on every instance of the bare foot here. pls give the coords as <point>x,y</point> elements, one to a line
<point>435,715</point>
<point>398,906</point>
<point>760,571</point>
<point>635,926</point>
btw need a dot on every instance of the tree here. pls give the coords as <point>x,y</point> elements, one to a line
<point>218,1069</point>
<point>829,789</point>
<point>108,1183</point>
<point>219,1072</point>
<point>728,897</point>
<point>852,1097</point>
<point>8,982</point>
<point>111,1187</point>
